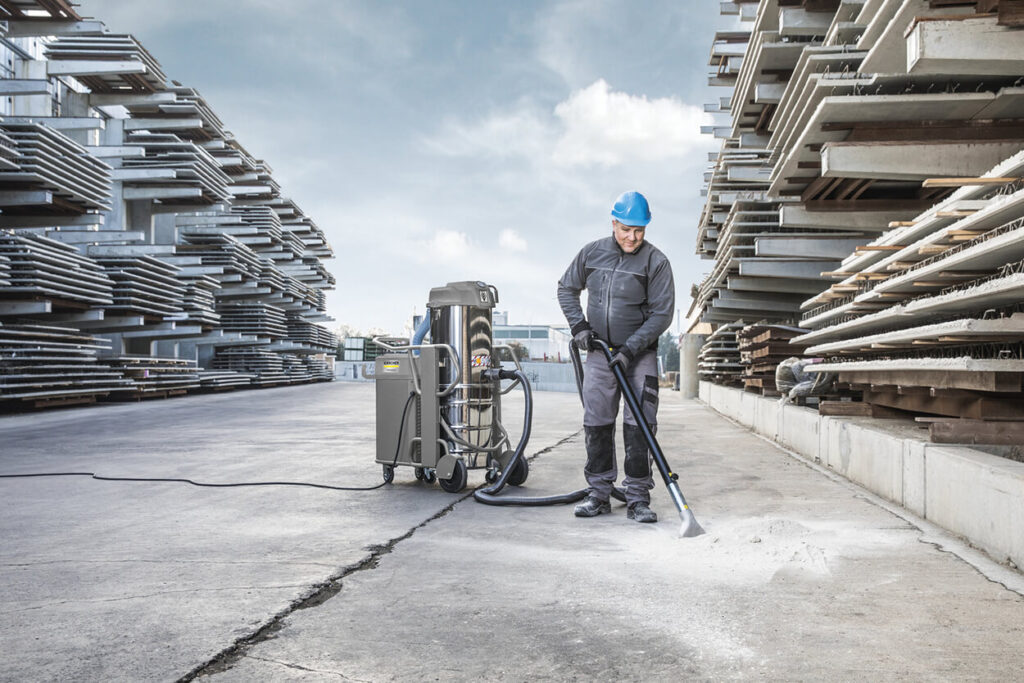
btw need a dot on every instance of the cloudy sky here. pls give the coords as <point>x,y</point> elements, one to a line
<point>446,140</point>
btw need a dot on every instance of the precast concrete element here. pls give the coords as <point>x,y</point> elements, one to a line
<point>912,160</point>
<point>972,493</point>
<point>689,359</point>
<point>978,46</point>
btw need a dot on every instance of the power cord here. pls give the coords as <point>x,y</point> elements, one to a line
<point>98,477</point>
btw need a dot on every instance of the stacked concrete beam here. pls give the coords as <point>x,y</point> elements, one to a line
<point>890,133</point>
<point>103,158</point>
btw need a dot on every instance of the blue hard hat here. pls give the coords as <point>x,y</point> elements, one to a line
<point>631,209</point>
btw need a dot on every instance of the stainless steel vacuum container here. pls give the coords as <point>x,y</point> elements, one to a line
<point>461,317</point>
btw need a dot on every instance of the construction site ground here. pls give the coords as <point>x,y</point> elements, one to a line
<point>801,575</point>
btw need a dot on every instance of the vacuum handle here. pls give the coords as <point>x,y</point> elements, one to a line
<point>638,413</point>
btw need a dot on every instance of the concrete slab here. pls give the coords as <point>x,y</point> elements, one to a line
<point>801,575</point>
<point>786,585</point>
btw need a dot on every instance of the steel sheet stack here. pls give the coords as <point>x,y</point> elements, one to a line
<point>224,251</point>
<point>266,367</point>
<point>310,335</point>
<point>143,284</point>
<point>222,380</point>
<point>258,319</point>
<point>60,173</point>
<point>200,303</point>
<point>78,52</point>
<point>8,152</point>
<point>49,365</point>
<point>41,268</point>
<point>129,211</point>
<point>173,169</point>
<point>155,377</point>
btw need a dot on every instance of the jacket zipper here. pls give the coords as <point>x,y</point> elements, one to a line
<point>608,299</point>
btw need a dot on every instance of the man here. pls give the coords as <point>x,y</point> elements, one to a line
<point>630,302</point>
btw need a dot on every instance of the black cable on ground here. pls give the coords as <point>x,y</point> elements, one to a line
<point>229,485</point>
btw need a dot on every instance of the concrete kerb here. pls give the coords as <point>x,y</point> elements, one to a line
<point>970,493</point>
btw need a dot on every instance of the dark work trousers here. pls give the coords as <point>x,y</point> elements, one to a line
<point>601,395</point>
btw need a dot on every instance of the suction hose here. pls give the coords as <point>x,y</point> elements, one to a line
<point>690,527</point>
<point>489,495</point>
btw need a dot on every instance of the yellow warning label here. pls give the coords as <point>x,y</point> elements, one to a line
<point>390,367</point>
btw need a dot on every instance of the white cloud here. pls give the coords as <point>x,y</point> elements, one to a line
<point>448,245</point>
<point>520,132</point>
<point>511,240</point>
<point>604,127</point>
<point>594,126</point>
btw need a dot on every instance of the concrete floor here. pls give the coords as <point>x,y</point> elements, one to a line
<point>801,576</point>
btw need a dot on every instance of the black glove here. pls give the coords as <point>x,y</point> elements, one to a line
<point>622,359</point>
<point>583,339</point>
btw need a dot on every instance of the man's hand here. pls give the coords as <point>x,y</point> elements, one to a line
<point>583,339</point>
<point>622,359</point>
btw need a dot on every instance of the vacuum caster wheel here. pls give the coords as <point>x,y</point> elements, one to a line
<point>491,476</point>
<point>389,474</point>
<point>429,476</point>
<point>460,475</point>
<point>519,473</point>
<point>419,474</point>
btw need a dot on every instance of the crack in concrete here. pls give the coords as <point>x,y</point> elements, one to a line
<point>290,665</point>
<point>325,590</point>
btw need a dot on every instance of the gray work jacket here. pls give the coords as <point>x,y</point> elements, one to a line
<point>631,298</point>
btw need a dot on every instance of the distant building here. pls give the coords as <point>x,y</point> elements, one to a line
<point>543,342</point>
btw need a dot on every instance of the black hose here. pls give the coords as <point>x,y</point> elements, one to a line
<point>177,480</point>
<point>577,369</point>
<point>489,495</point>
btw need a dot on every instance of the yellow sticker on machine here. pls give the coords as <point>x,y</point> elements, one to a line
<point>390,366</point>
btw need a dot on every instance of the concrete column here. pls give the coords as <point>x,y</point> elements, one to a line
<point>689,349</point>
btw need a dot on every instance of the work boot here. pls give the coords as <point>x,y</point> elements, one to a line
<point>592,507</point>
<point>642,512</point>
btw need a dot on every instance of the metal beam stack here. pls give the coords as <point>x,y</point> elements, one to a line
<point>130,216</point>
<point>870,189</point>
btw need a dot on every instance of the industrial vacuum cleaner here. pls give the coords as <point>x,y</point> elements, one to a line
<point>438,404</point>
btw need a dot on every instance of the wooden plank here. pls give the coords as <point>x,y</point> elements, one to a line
<point>978,407</point>
<point>977,432</point>
<point>857,409</point>
<point>1011,13</point>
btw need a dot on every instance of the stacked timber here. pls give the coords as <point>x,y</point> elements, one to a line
<point>890,134</point>
<point>719,358</point>
<point>46,365</point>
<point>762,347</point>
